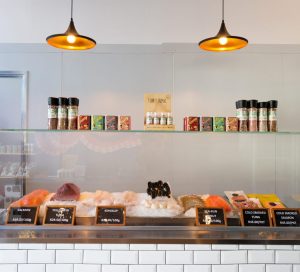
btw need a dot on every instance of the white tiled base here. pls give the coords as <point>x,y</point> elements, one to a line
<point>148,258</point>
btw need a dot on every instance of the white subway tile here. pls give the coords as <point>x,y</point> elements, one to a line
<point>197,268</point>
<point>114,268</point>
<point>60,246</point>
<point>115,246</point>
<point>224,247</point>
<point>207,257</point>
<point>96,257</point>
<point>287,257</point>
<point>41,256</point>
<point>179,257</point>
<point>197,247</point>
<point>225,268</point>
<point>282,247</point>
<point>142,268</point>
<point>59,268</point>
<point>32,246</point>
<point>31,268</point>
<point>170,247</point>
<point>152,257</point>
<point>234,257</point>
<point>143,247</point>
<point>170,268</point>
<point>279,268</point>
<point>296,268</point>
<point>9,267</point>
<point>8,246</point>
<point>253,247</point>
<point>261,256</point>
<point>13,256</point>
<point>252,268</point>
<point>69,256</point>
<point>87,246</point>
<point>296,247</point>
<point>124,257</point>
<point>87,268</point>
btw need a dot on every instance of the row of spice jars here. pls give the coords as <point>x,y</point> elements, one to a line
<point>159,118</point>
<point>62,113</point>
<point>257,116</point>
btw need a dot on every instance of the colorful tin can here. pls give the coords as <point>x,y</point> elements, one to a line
<point>191,123</point>
<point>206,124</point>
<point>111,122</point>
<point>84,122</point>
<point>232,124</point>
<point>125,123</point>
<point>219,124</point>
<point>98,122</point>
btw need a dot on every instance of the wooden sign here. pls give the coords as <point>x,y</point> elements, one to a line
<point>22,216</point>
<point>157,102</point>
<point>256,217</point>
<point>59,215</point>
<point>286,217</point>
<point>210,217</point>
<point>111,215</point>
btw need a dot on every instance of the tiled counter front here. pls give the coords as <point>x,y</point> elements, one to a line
<point>148,258</point>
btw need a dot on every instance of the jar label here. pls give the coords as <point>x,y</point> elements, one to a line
<point>62,113</point>
<point>52,113</point>
<point>72,113</point>
<point>242,114</point>
<point>253,114</point>
<point>263,115</point>
<point>272,115</point>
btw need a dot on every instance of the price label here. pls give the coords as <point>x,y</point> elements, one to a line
<point>210,217</point>
<point>22,216</point>
<point>256,217</point>
<point>111,215</point>
<point>60,215</point>
<point>286,217</point>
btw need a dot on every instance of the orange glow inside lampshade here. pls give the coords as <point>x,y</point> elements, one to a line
<point>71,40</point>
<point>223,41</point>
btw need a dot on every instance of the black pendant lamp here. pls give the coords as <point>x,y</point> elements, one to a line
<point>223,41</point>
<point>71,40</point>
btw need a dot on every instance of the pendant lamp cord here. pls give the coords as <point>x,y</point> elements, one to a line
<point>222,10</point>
<point>71,9</point>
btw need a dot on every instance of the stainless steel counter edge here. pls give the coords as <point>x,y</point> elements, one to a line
<point>150,234</point>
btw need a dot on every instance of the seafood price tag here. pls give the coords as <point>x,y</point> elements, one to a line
<point>286,217</point>
<point>111,215</point>
<point>22,216</point>
<point>210,217</point>
<point>256,217</point>
<point>60,215</point>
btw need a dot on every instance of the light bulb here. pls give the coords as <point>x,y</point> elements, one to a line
<point>223,40</point>
<point>71,38</point>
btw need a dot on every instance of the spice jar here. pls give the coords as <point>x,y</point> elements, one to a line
<point>272,115</point>
<point>242,114</point>
<point>262,116</point>
<point>52,112</point>
<point>73,104</point>
<point>149,118</point>
<point>156,119</point>
<point>163,119</point>
<point>169,118</point>
<point>252,115</point>
<point>62,113</point>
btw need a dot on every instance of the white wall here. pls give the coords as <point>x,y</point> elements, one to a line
<point>151,21</point>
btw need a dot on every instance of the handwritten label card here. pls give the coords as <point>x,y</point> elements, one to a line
<point>60,215</point>
<point>22,216</point>
<point>256,217</point>
<point>286,217</point>
<point>210,217</point>
<point>111,215</point>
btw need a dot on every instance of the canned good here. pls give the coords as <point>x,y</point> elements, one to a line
<point>84,122</point>
<point>125,123</point>
<point>111,122</point>
<point>191,123</point>
<point>206,124</point>
<point>98,122</point>
<point>232,124</point>
<point>219,124</point>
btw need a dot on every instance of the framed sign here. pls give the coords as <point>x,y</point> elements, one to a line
<point>111,216</point>
<point>59,215</point>
<point>259,217</point>
<point>286,217</point>
<point>22,216</point>
<point>210,217</point>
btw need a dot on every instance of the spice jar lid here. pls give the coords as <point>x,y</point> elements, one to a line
<point>73,101</point>
<point>272,104</point>
<point>62,101</point>
<point>262,105</point>
<point>241,104</point>
<point>252,103</point>
<point>53,101</point>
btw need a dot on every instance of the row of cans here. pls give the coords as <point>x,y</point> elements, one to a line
<point>101,122</point>
<point>217,124</point>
